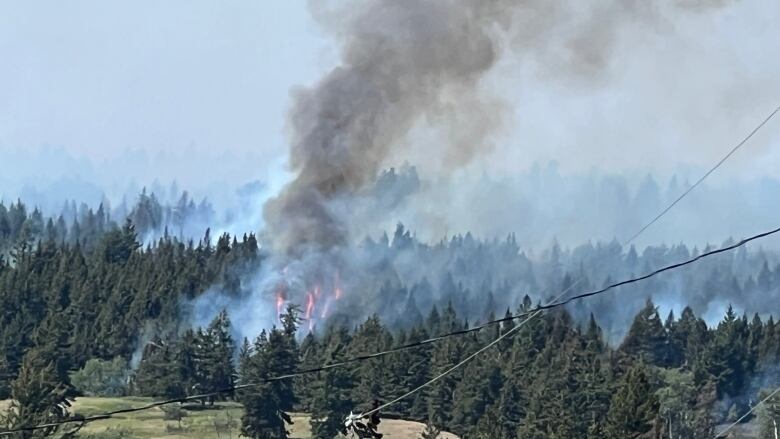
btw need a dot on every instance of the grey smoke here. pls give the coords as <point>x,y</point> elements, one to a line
<point>415,62</point>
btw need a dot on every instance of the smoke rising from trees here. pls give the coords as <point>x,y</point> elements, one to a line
<point>406,64</point>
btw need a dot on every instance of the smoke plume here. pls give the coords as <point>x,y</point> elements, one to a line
<point>409,62</point>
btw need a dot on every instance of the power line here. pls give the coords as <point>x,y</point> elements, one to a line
<point>707,174</point>
<point>528,314</point>
<point>451,369</point>
<point>741,418</point>
<point>556,302</point>
<point>661,270</point>
<point>637,234</point>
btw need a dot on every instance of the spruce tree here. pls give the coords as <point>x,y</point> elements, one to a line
<point>267,405</point>
<point>310,358</point>
<point>647,339</point>
<point>331,400</point>
<point>159,372</point>
<point>633,411</point>
<point>430,431</point>
<point>216,350</point>
<point>38,397</point>
<point>769,416</point>
<point>6,377</point>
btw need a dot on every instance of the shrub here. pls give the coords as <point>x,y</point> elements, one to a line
<point>102,378</point>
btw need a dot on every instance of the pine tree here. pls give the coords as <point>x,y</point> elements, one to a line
<point>430,432</point>
<point>472,396</point>
<point>647,339</point>
<point>416,372</point>
<point>310,358</point>
<point>6,377</point>
<point>331,401</point>
<point>769,416</point>
<point>216,355</point>
<point>725,358</point>
<point>634,407</point>
<point>510,409</point>
<point>266,407</point>
<point>38,397</point>
<point>159,372</point>
<point>186,356</point>
<point>244,356</point>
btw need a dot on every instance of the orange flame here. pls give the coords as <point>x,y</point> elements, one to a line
<point>279,303</point>
<point>309,305</point>
<point>337,285</point>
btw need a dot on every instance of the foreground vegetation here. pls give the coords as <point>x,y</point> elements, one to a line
<point>191,421</point>
<point>73,309</point>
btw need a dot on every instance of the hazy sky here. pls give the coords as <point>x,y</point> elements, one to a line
<point>114,92</point>
<point>97,79</point>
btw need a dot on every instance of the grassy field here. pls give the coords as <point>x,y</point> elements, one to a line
<point>222,421</point>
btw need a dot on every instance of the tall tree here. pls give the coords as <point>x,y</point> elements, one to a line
<point>266,406</point>
<point>633,412</point>
<point>38,397</point>
<point>331,392</point>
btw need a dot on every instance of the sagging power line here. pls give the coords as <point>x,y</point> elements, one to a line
<point>528,314</point>
<point>563,293</point>
<point>556,302</point>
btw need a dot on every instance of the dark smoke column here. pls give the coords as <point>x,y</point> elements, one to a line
<point>399,60</point>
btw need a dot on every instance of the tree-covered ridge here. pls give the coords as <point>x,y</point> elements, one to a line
<point>670,378</point>
<point>73,304</point>
<point>83,224</point>
<point>73,309</point>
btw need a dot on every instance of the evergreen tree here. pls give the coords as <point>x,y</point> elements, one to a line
<point>331,402</point>
<point>159,372</point>
<point>633,411</point>
<point>266,406</point>
<point>430,432</point>
<point>215,354</point>
<point>726,358</point>
<point>769,416</point>
<point>38,397</point>
<point>647,339</point>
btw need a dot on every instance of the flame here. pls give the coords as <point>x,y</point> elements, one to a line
<point>309,305</point>
<point>337,286</point>
<point>279,303</point>
<point>319,299</point>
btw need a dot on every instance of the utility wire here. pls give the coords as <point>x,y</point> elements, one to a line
<point>741,418</point>
<point>707,174</point>
<point>632,238</point>
<point>557,303</point>
<point>528,314</point>
<point>531,314</point>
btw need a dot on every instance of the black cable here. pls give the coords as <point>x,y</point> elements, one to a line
<point>706,174</point>
<point>326,367</point>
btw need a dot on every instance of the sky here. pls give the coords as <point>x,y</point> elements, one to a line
<point>109,96</point>
<point>178,84</point>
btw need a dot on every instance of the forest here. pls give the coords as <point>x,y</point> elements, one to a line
<point>91,308</point>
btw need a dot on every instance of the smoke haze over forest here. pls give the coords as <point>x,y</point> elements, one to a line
<point>248,204</point>
<point>557,124</point>
<point>555,129</point>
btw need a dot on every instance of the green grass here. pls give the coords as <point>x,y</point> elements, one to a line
<point>222,421</point>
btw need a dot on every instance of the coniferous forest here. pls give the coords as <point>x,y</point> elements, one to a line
<point>89,308</point>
